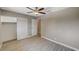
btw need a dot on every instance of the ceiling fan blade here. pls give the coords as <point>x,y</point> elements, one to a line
<point>30,8</point>
<point>41,9</point>
<point>42,12</point>
<point>30,12</point>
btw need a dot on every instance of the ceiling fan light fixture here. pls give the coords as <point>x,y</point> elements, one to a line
<point>36,13</point>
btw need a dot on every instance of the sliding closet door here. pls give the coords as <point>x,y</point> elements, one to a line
<point>22,28</point>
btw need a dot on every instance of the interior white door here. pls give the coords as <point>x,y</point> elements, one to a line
<point>34,27</point>
<point>22,28</point>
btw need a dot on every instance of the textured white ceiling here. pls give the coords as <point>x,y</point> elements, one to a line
<point>24,10</point>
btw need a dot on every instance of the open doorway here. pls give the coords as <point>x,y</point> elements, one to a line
<point>39,27</point>
<point>9,26</point>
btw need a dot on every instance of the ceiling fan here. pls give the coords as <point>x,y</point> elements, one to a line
<point>36,10</point>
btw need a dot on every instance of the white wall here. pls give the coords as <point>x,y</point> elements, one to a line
<point>0,31</point>
<point>0,35</point>
<point>8,31</point>
<point>62,26</point>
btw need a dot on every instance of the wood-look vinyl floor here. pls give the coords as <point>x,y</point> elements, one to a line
<point>33,44</point>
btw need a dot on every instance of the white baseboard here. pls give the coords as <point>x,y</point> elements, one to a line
<point>31,36</point>
<point>60,43</point>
